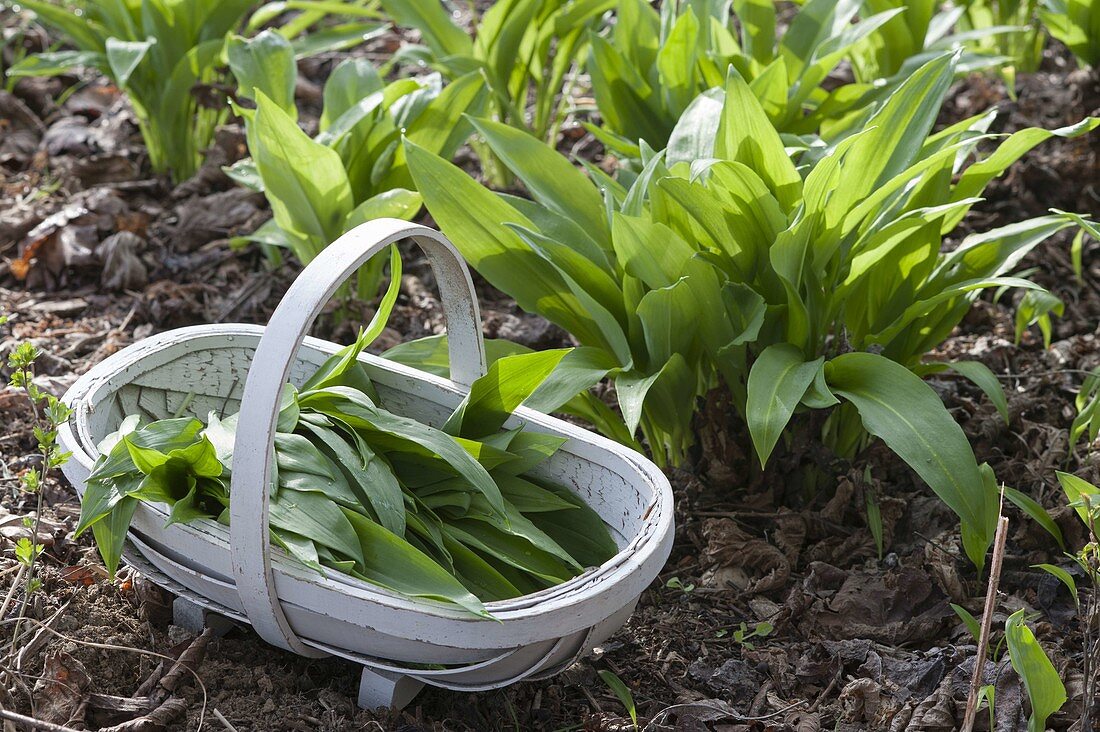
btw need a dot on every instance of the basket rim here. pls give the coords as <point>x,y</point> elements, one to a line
<point>638,554</point>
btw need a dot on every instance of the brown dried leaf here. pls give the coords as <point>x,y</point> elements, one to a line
<point>62,687</point>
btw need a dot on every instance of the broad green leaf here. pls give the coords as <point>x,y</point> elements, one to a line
<point>758,27</point>
<point>430,353</point>
<point>336,38</point>
<point>304,468</point>
<point>580,530</point>
<point>1064,577</point>
<point>57,62</point>
<point>969,621</point>
<point>391,562</point>
<point>649,250</point>
<point>906,414</point>
<point>551,179</point>
<point>1083,496</point>
<point>777,382</point>
<point>110,533</point>
<point>101,496</point>
<point>622,691</point>
<point>305,182</point>
<point>580,369</point>
<point>265,62</point>
<point>359,413</point>
<point>434,23</point>
<point>975,178</point>
<point>1036,307</point>
<point>494,396</point>
<point>443,126</point>
<point>669,318</point>
<point>1044,688</point>
<point>1035,510</point>
<point>478,575</point>
<point>527,497</point>
<point>317,518</point>
<point>397,203</point>
<point>83,33</point>
<point>899,129</point>
<point>353,80</point>
<point>473,218</point>
<point>163,436</point>
<point>335,367</point>
<point>124,57</point>
<point>746,136</point>
<point>583,272</point>
<point>982,377</point>
<point>631,388</point>
<point>513,550</point>
<point>693,137</point>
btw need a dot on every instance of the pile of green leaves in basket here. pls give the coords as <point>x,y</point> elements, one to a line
<point>452,514</point>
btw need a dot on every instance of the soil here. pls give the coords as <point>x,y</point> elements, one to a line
<point>98,254</point>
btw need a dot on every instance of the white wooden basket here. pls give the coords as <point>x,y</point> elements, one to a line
<point>233,572</point>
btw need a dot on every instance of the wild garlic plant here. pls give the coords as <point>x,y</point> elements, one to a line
<point>652,64</point>
<point>816,284</point>
<point>159,52</point>
<point>1084,498</point>
<point>529,53</point>
<point>1021,47</point>
<point>354,169</point>
<point>921,30</point>
<point>1075,23</point>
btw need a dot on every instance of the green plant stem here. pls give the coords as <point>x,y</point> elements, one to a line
<point>496,173</point>
<point>559,109</point>
<point>1091,656</point>
<point>28,375</point>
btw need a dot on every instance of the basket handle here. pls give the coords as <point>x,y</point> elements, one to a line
<point>253,452</point>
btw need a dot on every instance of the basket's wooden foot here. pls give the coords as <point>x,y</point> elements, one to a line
<point>195,618</point>
<point>385,689</point>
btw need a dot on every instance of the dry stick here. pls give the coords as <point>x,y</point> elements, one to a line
<point>34,723</point>
<point>225,722</point>
<point>11,592</point>
<point>987,622</point>
<point>35,644</point>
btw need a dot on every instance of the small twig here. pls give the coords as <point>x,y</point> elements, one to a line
<point>225,722</point>
<point>987,622</point>
<point>933,543</point>
<point>11,592</point>
<point>39,639</point>
<point>188,662</point>
<point>157,719</point>
<point>34,723</point>
<point>661,716</point>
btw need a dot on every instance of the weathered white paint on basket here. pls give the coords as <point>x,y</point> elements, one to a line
<point>235,573</point>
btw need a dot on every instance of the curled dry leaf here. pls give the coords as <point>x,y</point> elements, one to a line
<point>807,722</point>
<point>122,267</point>
<point>216,216</point>
<point>862,701</point>
<point>734,557</point>
<point>790,534</point>
<point>937,712</point>
<point>896,606</point>
<point>17,147</point>
<point>62,687</point>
